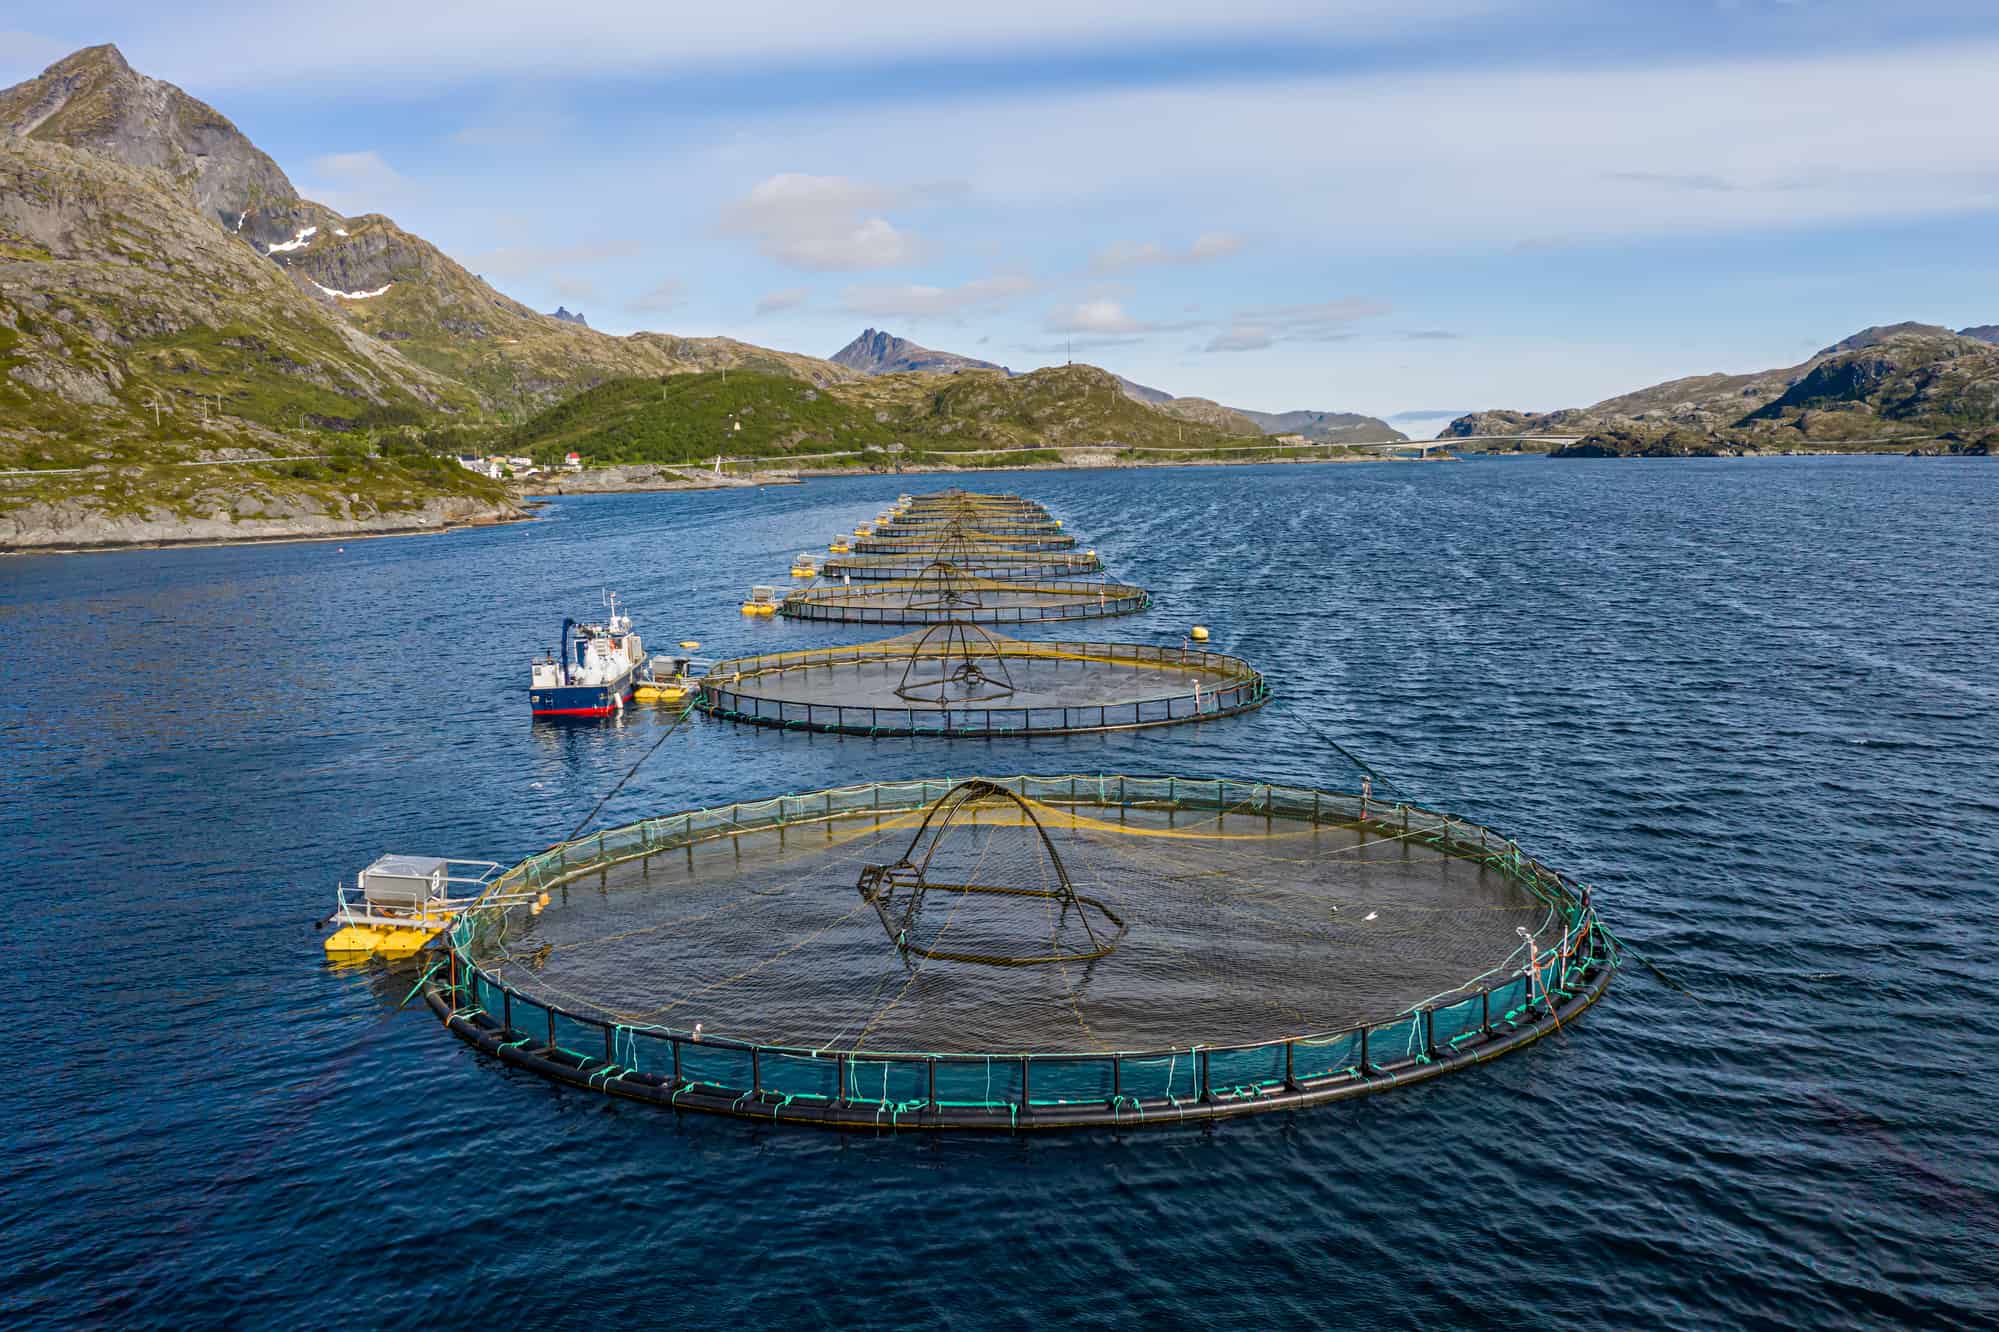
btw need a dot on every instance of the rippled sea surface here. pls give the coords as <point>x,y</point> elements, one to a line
<point>1755,703</point>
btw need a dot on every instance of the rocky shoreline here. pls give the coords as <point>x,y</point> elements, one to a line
<point>68,528</point>
<point>637,478</point>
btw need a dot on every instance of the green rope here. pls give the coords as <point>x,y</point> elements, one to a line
<point>420,983</point>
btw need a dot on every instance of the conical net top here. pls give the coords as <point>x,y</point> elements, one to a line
<point>943,586</point>
<point>981,882</point>
<point>956,663</point>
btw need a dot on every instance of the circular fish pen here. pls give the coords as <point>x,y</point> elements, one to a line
<point>1021,953</point>
<point>959,679</point>
<point>943,592</point>
<point>986,563</point>
<point>991,527</point>
<point>998,515</point>
<point>953,539</point>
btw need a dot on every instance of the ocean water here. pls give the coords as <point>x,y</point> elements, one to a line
<point>1754,702</point>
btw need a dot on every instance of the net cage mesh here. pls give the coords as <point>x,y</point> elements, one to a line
<point>1137,919</point>
<point>993,516</point>
<point>955,536</point>
<point>960,677</point>
<point>942,591</point>
<point>995,564</point>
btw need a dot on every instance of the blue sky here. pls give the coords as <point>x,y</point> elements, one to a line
<point>1423,206</point>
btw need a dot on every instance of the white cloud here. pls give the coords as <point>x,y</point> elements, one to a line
<point>1100,316</point>
<point>666,295</point>
<point>915,301</point>
<point>1241,337</point>
<point>1123,254</point>
<point>1584,155</point>
<point>788,299</point>
<point>1319,321</point>
<point>820,223</point>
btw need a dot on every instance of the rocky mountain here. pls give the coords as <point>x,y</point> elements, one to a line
<point>1211,413</point>
<point>1877,388</point>
<point>569,316</point>
<point>1138,392</point>
<point>94,102</point>
<point>1982,332</point>
<point>393,285</point>
<point>875,352</point>
<point>167,296</point>
<point>1338,427</point>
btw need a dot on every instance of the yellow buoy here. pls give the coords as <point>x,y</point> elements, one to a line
<point>688,644</point>
<point>1199,633</point>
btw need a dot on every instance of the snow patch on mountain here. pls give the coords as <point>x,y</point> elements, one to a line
<point>353,295</point>
<point>298,242</point>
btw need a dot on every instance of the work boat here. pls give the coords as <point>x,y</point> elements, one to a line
<point>596,671</point>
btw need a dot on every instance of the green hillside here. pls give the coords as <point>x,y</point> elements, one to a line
<point>690,418</point>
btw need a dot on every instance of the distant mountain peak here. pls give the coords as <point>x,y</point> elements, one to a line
<point>879,352</point>
<point>569,316</point>
<point>94,102</point>
<point>1981,333</point>
<point>104,55</point>
<point>1877,334</point>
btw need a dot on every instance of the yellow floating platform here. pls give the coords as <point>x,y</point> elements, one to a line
<point>356,941</point>
<point>759,608</point>
<point>662,693</point>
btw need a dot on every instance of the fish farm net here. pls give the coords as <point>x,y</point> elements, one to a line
<point>987,563</point>
<point>944,592</point>
<point>993,526</point>
<point>994,515</point>
<point>1026,952</point>
<point>953,538</point>
<point>960,679</point>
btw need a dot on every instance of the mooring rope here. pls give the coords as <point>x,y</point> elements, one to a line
<point>598,808</point>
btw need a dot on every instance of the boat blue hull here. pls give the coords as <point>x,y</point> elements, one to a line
<point>583,700</point>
